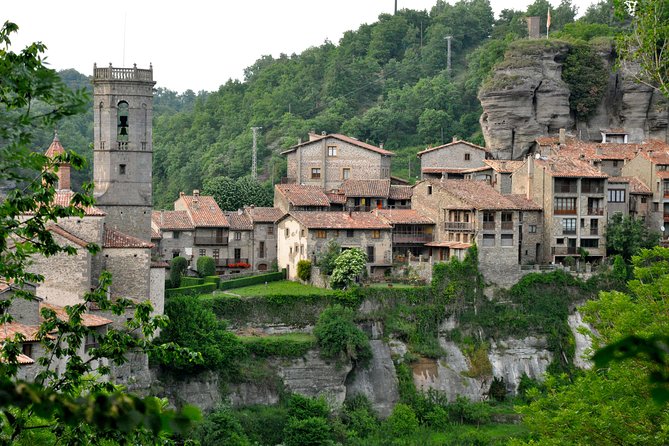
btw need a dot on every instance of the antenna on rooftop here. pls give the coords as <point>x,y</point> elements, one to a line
<point>254,163</point>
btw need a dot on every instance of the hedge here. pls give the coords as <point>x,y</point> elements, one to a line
<point>253,280</point>
<point>213,279</point>
<point>290,345</point>
<point>195,290</point>
<point>191,281</point>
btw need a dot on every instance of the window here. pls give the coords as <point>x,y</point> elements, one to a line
<point>270,229</point>
<point>238,235</point>
<point>656,207</point>
<point>559,241</point>
<point>261,250</point>
<point>287,233</point>
<point>91,342</point>
<point>643,199</point>
<point>520,216</point>
<point>175,234</point>
<point>202,252</point>
<point>321,233</point>
<point>301,249</point>
<point>332,150</point>
<point>468,156</point>
<point>488,220</point>
<point>507,240</point>
<point>533,229</point>
<point>376,233</point>
<point>429,190</point>
<point>122,121</point>
<point>301,232</point>
<point>565,206</point>
<point>349,233</point>
<point>615,163</point>
<point>569,226</point>
<point>565,185</point>
<point>662,167</point>
<point>121,169</point>
<point>507,221</point>
<point>488,240</point>
<point>346,173</point>
<point>315,172</point>
<point>238,254</point>
<point>616,195</point>
<point>27,349</point>
<point>590,243</point>
<point>370,254</point>
<point>215,253</point>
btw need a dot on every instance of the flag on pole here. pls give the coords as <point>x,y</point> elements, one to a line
<point>548,21</point>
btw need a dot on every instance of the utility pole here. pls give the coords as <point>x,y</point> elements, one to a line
<point>448,58</point>
<point>254,164</point>
<point>395,7</point>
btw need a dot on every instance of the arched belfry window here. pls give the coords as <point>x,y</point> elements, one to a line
<point>123,121</point>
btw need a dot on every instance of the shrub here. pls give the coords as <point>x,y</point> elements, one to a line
<point>216,280</point>
<point>337,334</point>
<point>308,432</point>
<point>221,427</point>
<point>358,416</point>
<point>402,421</point>
<point>263,424</point>
<point>326,260</point>
<point>348,267</point>
<point>206,266</point>
<point>302,407</point>
<point>195,290</point>
<point>464,411</point>
<point>497,390</point>
<point>178,267</point>
<point>190,281</point>
<point>304,270</point>
<point>196,327</point>
<point>286,346</point>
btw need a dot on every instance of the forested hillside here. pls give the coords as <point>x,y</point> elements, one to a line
<point>385,82</point>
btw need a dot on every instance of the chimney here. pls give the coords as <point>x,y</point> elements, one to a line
<point>598,150</point>
<point>63,176</point>
<point>313,135</point>
<point>455,138</point>
<point>381,146</point>
<point>162,213</point>
<point>181,194</point>
<point>196,194</point>
<point>563,136</point>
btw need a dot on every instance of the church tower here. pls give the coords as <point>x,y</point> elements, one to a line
<point>122,148</point>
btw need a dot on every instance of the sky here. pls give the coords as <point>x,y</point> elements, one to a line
<point>194,44</point>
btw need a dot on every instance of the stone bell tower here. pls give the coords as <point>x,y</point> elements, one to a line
<point>123,149</point>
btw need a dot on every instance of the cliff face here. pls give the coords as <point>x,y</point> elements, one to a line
<point>526,98</point>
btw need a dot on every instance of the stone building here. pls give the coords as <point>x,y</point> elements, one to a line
<point>174,234</point>
<point>506,228</point>
<point>328,160</point>
<point>411,231</point>
<point>496,172</point>
<point>451,160</point>
<point>298,197</point>
<point>573,195</point>
<point>264,235</point>
<point>304,235</point>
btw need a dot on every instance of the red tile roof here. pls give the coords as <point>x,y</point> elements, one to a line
<point>450,144</point>
<point>9,330</point>
<point>547,140</point>
<point>67,235</point>
<point>204,211</point>
<point>63,198</point>
<point>300,195</point>
<point>336,198</point>
<point>565,167</point>
<point>504,166</point>
<point>662,174</point>
<point>55,148</point>
<point>398,192</point>
<point>339,220</point>
<point>366,188</point>
<point>264,214</point>
<point>443,170</point>
<point>480,195</point>
<point>239,221</point>
<point>343,138</point>
<point>172,220</point>
<point>522,202</point>
<point>403,217</point>
<point>116,239</point>
<point>155,235</point>
<point>636,185</point>
<point>160,264</point>
<point>87,319</point>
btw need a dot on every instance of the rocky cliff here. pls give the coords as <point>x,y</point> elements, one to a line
<point>526,97</point>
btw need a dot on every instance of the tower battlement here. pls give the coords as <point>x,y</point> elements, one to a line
<point>123,74</point>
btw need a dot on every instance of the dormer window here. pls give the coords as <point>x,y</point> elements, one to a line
<point>123,121</point>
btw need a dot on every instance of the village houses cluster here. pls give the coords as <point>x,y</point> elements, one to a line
<point>552,205</point>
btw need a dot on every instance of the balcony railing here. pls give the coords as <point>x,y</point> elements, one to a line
<point>564,211</point>
<point>507,226</point>
<point>412,238</point>
<point>488,225</point>
<point>595,211</point>
<point>211,240</point>
<point>592,190</point>
<point>666,193</point>
<point>458,226</point>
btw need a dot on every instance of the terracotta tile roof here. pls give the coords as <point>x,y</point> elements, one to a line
<point>204,211</point>
<point>343,138</point>
<point>450,144</point>
<point>477,169</point>
<point>300,195</point>
<point>172,220</point>
<point>547,140</point>
<point>264,214</point>
<point>452,245</point>
<point>587,151</point>
<point>614,130</point>
<point>366,188</point>
<point>9,330</point>
<point>403,217</point>
<point>336,198</point>
<point>116,239</point>
<point>636,186</point>
<point>23,359</point>
<point>443,170</point>
<point>398,181</point>
<point>523,203</point>
<point>480,195</point>
<point>67,235</point>
<point>339,220</point>
<point>155,234</point>
<point>565,167</point>
<point>160,264</point>
<point>398,192</point>
<point>63,197</point>
<point>657,157</point>
<point>504,166</point>
<point>662,174</point>
<point>55,148</point>
<point>239,221</point>
<point>87,319</point>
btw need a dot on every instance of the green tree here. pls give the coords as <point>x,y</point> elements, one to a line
<point>327,257</point>
<point>75,407</point>
<point>178,266</point>
<point>587,78</point>
<point>206,266</point>
<point>304,270</point>
<point>643,50</point>
<point>337,334</point>
<point>626,235</point>
<point>348,267</point>
<point>221,428</point>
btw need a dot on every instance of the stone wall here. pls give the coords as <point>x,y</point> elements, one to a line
<point>130,270</point>
<point>453,157</point>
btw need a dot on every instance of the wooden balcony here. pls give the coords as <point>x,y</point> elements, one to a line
<point>459,226</point>
<point>564,211</point>
<point>211,240</point>
<point>507,226</point>
<point>595,211</point>
<point>408,239</point>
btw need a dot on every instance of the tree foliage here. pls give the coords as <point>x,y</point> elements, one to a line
<point>337,334</point>
<point>178,266</point>
<point>206,266</point>
<point>626,235</point>
<point>348,267</point>
<point>587,78</point>
<point>231,195</point>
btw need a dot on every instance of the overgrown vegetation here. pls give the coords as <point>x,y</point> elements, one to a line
<point>304,270</point>
<point>338,335</point>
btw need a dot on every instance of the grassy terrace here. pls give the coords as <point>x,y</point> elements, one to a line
<point>281,288</point>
